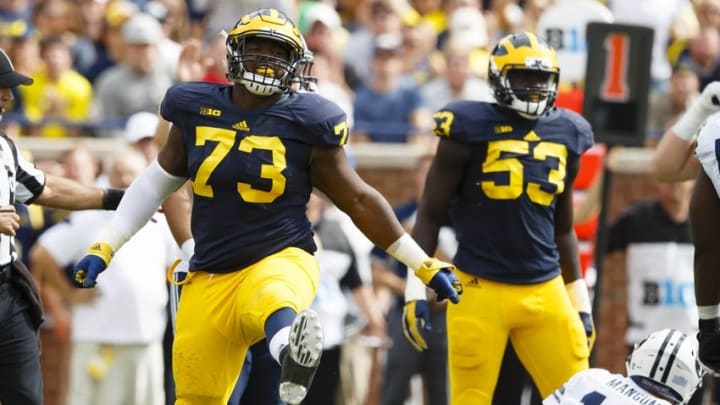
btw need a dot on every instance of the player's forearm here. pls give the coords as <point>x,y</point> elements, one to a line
<point>374,216</point>
<point>674,159</point>
<point>178,208</point>
<point>68,194</point>
<point>140,202</point>
<point>567,245</point>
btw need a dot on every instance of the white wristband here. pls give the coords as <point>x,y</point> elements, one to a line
<point>407,252</point>
<point>112,237</point>
<point>188,248</point>
<point>414,287</point>
<point>579,297</point>
<point>708,311</point>
<point>689,122</point>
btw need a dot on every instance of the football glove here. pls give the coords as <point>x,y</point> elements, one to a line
<point>589,326</point>
<point>439,276</point>
<point>94,262</point>
<point>580,299</point>
<point>709,350</point>
<point>416,319</point>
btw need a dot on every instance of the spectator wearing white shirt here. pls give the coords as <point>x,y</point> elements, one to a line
<point>117,355</point>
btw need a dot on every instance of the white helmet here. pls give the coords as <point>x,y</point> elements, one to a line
<point>666,363</point>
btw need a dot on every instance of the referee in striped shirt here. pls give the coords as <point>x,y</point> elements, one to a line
<point>20,309</point>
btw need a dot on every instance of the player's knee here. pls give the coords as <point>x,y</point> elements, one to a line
<point>199,399</point>
<point>277,295</point>
<point>471,396</point>
<point>464,352</point>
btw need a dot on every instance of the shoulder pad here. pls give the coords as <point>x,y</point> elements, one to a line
<point>178,105</point>
<point>456,120</point>
<point>324,120</point>
<point>583,137</point>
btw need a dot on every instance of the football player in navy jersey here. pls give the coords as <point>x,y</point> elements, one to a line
<point>253,152</point>
<point>505,173</point>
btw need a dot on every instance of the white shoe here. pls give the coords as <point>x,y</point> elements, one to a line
<point>300,358</point>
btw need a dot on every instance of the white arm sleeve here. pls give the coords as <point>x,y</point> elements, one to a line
<point>139,203</point>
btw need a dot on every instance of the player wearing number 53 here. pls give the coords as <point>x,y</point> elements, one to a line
<point>505,173</point>
<point>254,151</point>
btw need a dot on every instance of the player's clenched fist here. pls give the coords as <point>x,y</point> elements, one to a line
<point>439,276</point>
<point>92,264</point>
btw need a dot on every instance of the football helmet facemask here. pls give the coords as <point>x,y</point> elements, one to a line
<point>304,81</point>
<point>523,71</point>
<point>666,363</point>
<point>263,74</point>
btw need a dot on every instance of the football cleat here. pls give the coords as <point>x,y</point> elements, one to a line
<point>300,358</point>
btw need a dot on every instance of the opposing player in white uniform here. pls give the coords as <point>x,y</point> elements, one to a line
<point>674,160</point>
<point>662,369</point>
<point>704,220</point>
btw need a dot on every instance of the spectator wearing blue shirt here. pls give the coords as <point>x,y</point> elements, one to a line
<point>389,109</point>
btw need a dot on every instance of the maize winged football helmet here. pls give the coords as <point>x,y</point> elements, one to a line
<point>270,74</point>
<point>524,73</point>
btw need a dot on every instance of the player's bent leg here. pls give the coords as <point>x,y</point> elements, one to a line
<point>301,357</point>
<point>283,282</point>
<point>554,348</point>
<point>286,279</point>
<point>477,335</point>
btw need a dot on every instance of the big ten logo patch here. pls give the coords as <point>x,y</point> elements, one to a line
<point>668,293</point>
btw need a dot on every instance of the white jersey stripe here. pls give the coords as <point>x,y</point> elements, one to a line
<point>20,181</point>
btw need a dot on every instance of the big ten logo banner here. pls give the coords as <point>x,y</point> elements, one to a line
<point>617,82</point>
<point>563,27</point>
<point>668,293</point>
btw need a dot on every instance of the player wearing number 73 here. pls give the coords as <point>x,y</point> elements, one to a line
<point>505,172</point>
<point>254,151</point>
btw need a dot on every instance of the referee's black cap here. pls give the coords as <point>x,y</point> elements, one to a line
<point>9,78</point>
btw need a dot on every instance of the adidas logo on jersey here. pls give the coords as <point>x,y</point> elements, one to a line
<point>241,126</point>
<point>503,129</point>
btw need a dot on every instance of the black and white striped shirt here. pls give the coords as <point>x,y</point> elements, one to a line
<point>20,181</point>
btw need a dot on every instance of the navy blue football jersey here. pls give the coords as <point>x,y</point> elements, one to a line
<point>249,170</point>
<point>504,209</point>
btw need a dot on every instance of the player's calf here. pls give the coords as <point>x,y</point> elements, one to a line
<point>300,358</point>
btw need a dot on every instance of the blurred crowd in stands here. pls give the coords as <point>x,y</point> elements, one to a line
<point>388,63</point>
